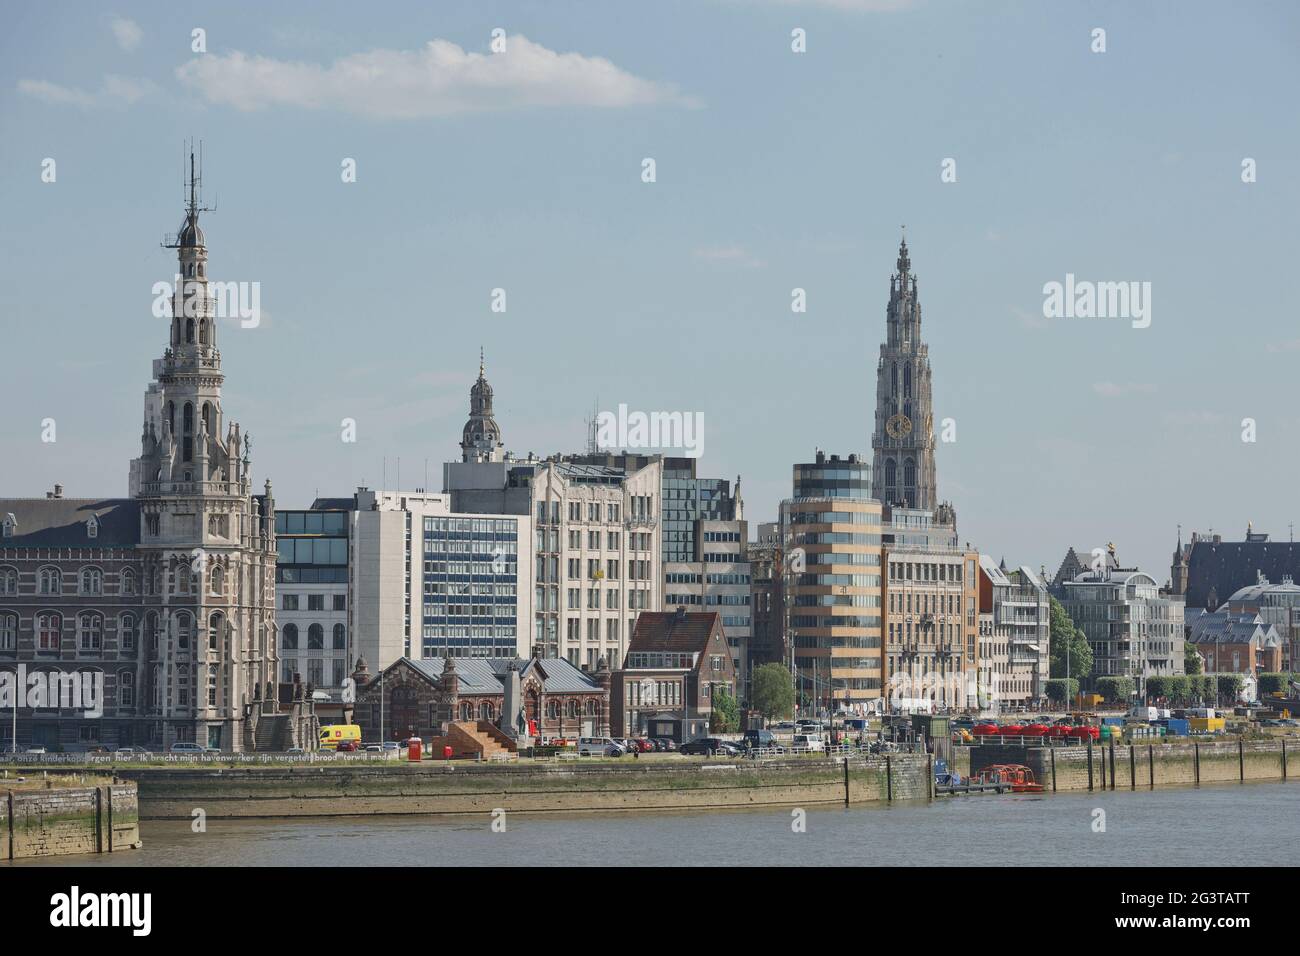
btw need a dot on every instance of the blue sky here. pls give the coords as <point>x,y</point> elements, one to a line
<point>775,170</point>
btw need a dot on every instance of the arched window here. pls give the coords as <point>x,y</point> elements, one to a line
<point>150,633</point>
<point>126,582</point>
<point>340,637</point>
<point>50,581</point>
<point>909,473</point>
<point>126,688</point>
<point>92,581</point>
<point>8,581</point>
<point>49,631</point>
<point>893,378</point>
<point>485,710</point>
<point>891,473</point>
<point>126,632</point>
<point>571,709</point>
<point>182,578</point>
<point>184,630</point>
<point>907,381</point>
<point>289,637</point>
<point>466,710</point>
<point>8,631</point>
<point>203,329</point>
<point>189,331</point>
<point>315,638</point>
<point>552,709</point>
<point>218,579</point>
<point>591,708</point>
<point>214,632</point>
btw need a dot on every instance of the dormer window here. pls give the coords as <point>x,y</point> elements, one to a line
<point>92,527</point>
<point>10,523</point>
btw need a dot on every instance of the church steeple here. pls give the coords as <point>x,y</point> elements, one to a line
<point>481,438</point>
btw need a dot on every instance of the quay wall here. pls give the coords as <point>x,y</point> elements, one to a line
<point>68,820</point>
<point>1147,765</point>
<point>456,789</point>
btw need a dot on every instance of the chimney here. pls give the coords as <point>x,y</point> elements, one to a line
<point>680,616</point>
<point>56,493</point>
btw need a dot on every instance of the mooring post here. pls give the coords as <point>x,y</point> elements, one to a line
<point>1284,758</point>
<point>1112,762</point>
<point>846,781</point>
<point>889,778</point>
<point>1197,760</point>
<point>1132,767</point>
<point>1241,760</point>
<point>1151,764</point>
<point>929,772</point>
<point>1052,751</point>
<point>1090,766</point>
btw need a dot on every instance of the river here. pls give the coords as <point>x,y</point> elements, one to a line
<point>1232,824</point>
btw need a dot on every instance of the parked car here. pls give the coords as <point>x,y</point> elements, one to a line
<point>760,738</point>
<point>295,750</point>
<point>645,745</point>
<point>348,746</point>
<point>665,745</point>
<point>708,746</point>
<point>374,748</point>
<point>36,750</point>
<point>186,747</point>
<point>212,750</point>
<point>600,747</point>
<point>390,745</point>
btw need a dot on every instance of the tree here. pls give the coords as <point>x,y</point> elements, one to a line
<point>1116,690</point>
<point>1065,636</point>
<point>725,716</point>
<point>1272,684</point>
<point>1179,689</point>
<point>1230,686</point>
<point>1157,687</point>
<point>1191,659</point>
<point>1058,693</point>
<point>1204,686</point>
<point>771,693</point>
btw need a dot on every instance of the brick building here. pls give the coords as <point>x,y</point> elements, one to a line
<point>422,697</point>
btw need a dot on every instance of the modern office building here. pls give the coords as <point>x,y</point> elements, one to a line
<point>311,584</point>
<point>1134,628</point>
<point>429,582</point>
<point>831,527</point>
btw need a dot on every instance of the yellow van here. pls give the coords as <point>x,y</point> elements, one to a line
<point>331,735</point>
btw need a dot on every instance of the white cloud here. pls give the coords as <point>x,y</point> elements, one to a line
<point>115,91</point>
<point>1115,390</point>
<point>735,255</point>
<point>439,80</point>
<point>127,33</point>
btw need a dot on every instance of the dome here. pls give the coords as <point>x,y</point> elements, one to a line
<point>190,236</point>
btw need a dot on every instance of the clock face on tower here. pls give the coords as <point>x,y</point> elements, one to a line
<point>898,426</point>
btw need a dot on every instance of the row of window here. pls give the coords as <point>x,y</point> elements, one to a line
<point>289,637</point>
<point>90,629</point>
<point>315,602</point>
<point>90,581</point>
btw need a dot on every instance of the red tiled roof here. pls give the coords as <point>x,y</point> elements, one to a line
<point>669,631</point>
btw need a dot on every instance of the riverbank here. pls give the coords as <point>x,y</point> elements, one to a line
<point>40,819</point>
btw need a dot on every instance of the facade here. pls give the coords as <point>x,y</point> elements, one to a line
<point>1134,628</point>
<point>932,652</point>
<point>429,582</point>
<point>311,577</point>
<point>421,698</point>
<point>767,599</point>
<point>1015,638</point>
<point>676,663</point>
<point>166,597</point>
<point>831,528</point>
<point>1235,643</point>
<point>1207,571</point>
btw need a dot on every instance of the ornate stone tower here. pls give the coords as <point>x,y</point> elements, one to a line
<point>902,442</point>
<point>481,439</point>
<point>207,543</point>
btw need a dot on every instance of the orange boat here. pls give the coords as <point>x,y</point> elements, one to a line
<point>1017,776</point>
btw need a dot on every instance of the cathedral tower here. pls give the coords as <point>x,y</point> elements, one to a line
<point>481,438</point>
<point>902,443</point>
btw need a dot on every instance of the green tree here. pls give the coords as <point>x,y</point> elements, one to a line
<point>1230,686</point>
<point>771,693</point>
<point>1180,689</point>
<point>1191,659</point>
<point>1116,690</point>
<point>1065,636</point>
<point>1057,691</point>
<point>725,716</point>
<point>1272,684</point>
<point>1157,687</point>
<point>1204,686</point>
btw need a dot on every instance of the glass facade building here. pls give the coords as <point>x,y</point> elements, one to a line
<point>471,586</point>
<point>311,577</point>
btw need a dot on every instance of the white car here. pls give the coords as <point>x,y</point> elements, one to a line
<point>36,750</point>
<point>600,747</point>
<point>812,743</point>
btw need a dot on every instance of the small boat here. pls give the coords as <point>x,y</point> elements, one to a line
<point>1017,777</point>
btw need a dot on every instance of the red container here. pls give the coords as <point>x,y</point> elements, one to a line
<point>446,753</point>
<point>984,730</point>
<point>1036,730</point>
<point>1013,730</point>
<point>413,749</point>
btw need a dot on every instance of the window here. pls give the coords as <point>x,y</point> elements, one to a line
<point>8,631</point>
<point>218,580</point>
<point>50,581</point>
<point>92,527</point>
<point>315,638</point>
<point>126,632</point>
<point>126,688</point>
<point>49,632</point>
<point>289,637</point>
<point>212,685</point>
<point>126,582</point>
<point>8,581</point>
<point>184,630</point>
<point>571,708</point>
<point>340,602</point>
<point>288,602</point>
<point>340,637</point>
<point>315,602</point>
<point>214,632</point>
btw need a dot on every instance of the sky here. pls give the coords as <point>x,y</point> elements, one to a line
<point>522,170</point>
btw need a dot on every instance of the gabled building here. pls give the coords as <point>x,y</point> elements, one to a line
<point>676,663</point>
<point>1209,570</point>
<point>1235,643</point>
